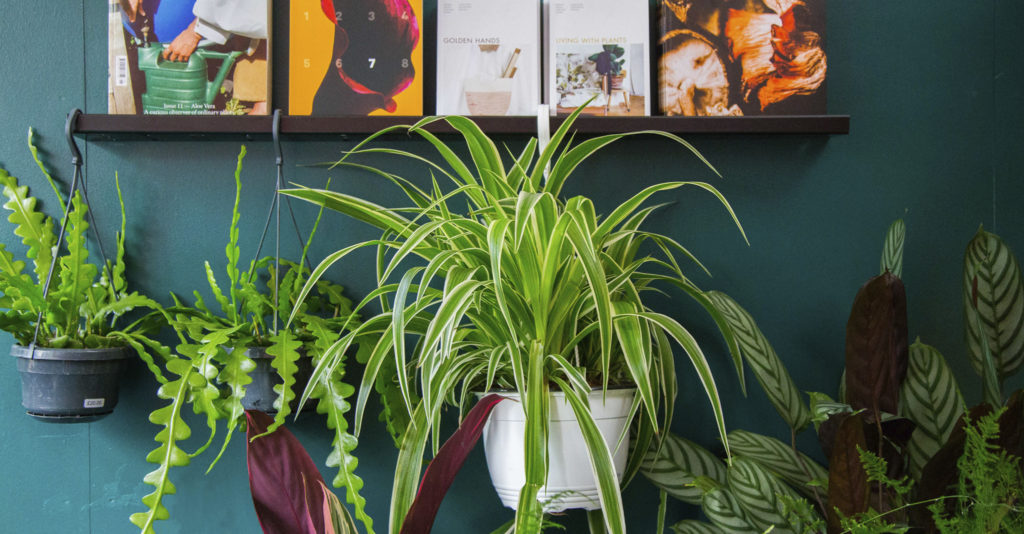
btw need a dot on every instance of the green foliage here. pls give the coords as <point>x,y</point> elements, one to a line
<point>990,485</point>
<point>892,250</point>
<point>86,303</point>
<point>215,341</point>
<point>523,291</point>
<point>993,290</point>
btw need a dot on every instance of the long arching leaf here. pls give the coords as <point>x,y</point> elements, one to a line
<point>768,368</point>
<point>677,463</point>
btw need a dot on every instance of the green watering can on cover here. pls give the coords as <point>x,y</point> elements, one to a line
<point>181,87</point>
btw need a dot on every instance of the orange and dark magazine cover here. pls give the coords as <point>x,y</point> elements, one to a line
<point>355,57</point>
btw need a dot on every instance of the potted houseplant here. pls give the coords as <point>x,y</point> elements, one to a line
<point>232,357</point>
<point>524,293</point>
<point>65,313</point>
<point>609,62</point>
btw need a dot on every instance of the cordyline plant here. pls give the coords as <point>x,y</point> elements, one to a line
<point>522,291</point>
<point>211,370</point>
<point>86,302</point>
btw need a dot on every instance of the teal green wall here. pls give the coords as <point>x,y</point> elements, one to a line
<point>934,93</point>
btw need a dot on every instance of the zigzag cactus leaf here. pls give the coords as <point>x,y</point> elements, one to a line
<point>767,367</point>
<point>285,352</point>
<point>679,462</point>
<point>168,454</point>
<point>34,228</point>
<point>76,273</point>
<point>932,400</point>
<point>992,285</point>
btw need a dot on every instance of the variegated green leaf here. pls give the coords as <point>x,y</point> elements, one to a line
<point>692,526</point>
<point>723,510</point>
<point>779,458</point>
<point>932,400</point>
<point>992,273</point>
<point>674,467</point>
<point>756,490</point>
<point>767,367</point>
<point>892,250</point>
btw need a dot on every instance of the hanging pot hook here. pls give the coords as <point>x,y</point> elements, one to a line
<point>69,134</point>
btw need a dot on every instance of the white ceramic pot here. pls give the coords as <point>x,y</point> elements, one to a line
<point>570,482</point>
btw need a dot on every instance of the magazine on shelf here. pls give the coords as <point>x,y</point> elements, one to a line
<point>188,57</point>
<point>729,58</point>
<point>488,57</point>
<point>355,57</point>
<point>598,54</point>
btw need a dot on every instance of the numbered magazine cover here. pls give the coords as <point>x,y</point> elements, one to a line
<point>740,57</point>
<point>598,54</point>
<point>488,57</point>
<point>188,57</point>
<point>355,57</point>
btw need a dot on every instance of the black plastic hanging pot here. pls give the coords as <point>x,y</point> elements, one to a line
<point>260,394</point>
<point>69,385</point>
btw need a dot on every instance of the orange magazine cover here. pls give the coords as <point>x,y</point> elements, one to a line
<point>355,57</point>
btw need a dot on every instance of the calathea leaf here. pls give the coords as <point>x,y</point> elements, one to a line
<point>892,250</point>
<point>876,345</point>
<point>993,286</point>
<point>677,463</point>
<point>768,368</point>
<point>847,481</point>
<point>932,400</point>
<point>692,526</point>
<point>724,511</point>
<point>779,458</point>
<point>756,491</point>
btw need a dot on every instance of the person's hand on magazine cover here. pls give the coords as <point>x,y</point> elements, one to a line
<point>183,45</point>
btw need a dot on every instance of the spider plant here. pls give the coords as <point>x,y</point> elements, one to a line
<point>523,290</point>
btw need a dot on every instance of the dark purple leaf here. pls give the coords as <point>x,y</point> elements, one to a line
<point>876,345</point>
<point>285,483</point>
<point>442,469</point>
<point>847,481</point>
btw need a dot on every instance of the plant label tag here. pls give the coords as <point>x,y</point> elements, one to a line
<point>94,403</point>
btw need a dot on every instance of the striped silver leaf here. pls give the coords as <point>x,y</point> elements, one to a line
<point>932,400</point>
<point>779,458</point>
<point>725,511</point>
<point>892,249</point>
<point>989,263</point>
<point>767,367</point>
<point>756,490</point>
<point>692,526</point>
<point>679,462</point>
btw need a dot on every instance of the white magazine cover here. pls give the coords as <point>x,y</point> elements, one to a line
<point>598,54</point>
<point>488,57</point>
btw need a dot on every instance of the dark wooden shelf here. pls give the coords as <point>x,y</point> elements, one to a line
<point>172,127</point>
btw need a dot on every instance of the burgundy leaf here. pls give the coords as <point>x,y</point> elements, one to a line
<point>876,345</point>
<point>848,487</point>
<point>285,483</point>
<point>442,469</point>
